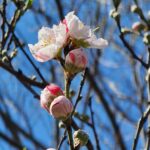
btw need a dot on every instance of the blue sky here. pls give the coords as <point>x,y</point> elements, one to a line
<point>114,66</point>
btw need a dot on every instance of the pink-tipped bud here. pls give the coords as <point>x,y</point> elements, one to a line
<point>61,108</point>
<point>137,26</point>
<point>76,61</point>
<point>48,94</point>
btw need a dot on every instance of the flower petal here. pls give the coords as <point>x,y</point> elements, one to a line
<point>46,34</point>
<point>60,34</point>
<point>99,43</point>
<point>42,53</point>
<point>76,27</point>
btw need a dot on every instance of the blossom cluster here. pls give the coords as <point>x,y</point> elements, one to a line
<point>54,101</point>
<point>70,36</point>
<point>70,30</point>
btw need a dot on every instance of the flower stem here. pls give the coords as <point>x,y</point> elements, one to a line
<point>69,131</point>
<point>68,121</point>
<point>67,86</point>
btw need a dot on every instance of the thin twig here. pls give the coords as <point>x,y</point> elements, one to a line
<point>3,23</point>
<point>62,140</point>
<point>19,75</point>
<point>111,115</point>
<point>126,44</point>
<point>69,131</point>
<point>67,86</point>
<point>140,124</point>
<point>93,125</point>
<point>60,9</point>
<point>68,121</point>
<point>148,140</point>
<point>21,47</point>
<point>80,90</point>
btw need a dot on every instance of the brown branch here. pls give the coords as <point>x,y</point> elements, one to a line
<point>129,48</point>
<point>93,125</point>
<point>140,124</point>
<point>9,122</point>
<point>21,76</point>
<point>142,16</point>
<point>80,90</point>
<point>132,51</point>
<point>3,23</point>
<point>108,110</point>
<point>62,140</point>
<point>41,12</point>
<point>60,9</point>
<point>9,140</point>
<point>17,42</point>
<point>148,140</point>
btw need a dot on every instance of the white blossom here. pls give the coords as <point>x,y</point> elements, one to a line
<point>51,41</point>
<point>76,28</point>
<point>83,34</point>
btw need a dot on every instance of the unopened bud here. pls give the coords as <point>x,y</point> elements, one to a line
<point>80,138</point>
<point>33,78</point>
<point>5,59</point>
<point>48,94</point>
<point>125,30</point>
<point>61,125</point>
<point>4,52</point>
<point>76,61</point>
<point>148,75</point>
<point>13,53</point>
<point>135,9</point>
<point>115,14</point>
<point>138,26</point>
<point>146,38</point>
<point>61,108</point>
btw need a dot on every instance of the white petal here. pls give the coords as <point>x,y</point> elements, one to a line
<point>78,30</point>
<point>42,53</point>
<point>60,34</point>
<point>69,16</point>
<point>76,27</point>
<point>46,34</point>
<point>99,43</point>
<point>50,149</point>
<point>35,47</point>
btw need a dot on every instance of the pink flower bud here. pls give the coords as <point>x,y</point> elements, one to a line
<point>61,108</point>
<point>76,61</point>
<point>137,26</point>
<point>48,94</point>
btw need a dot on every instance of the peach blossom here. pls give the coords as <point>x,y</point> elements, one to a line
<point>51,42</point>
<point>82,34</point>
<point>48,94</point>
<point>61,108</point>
